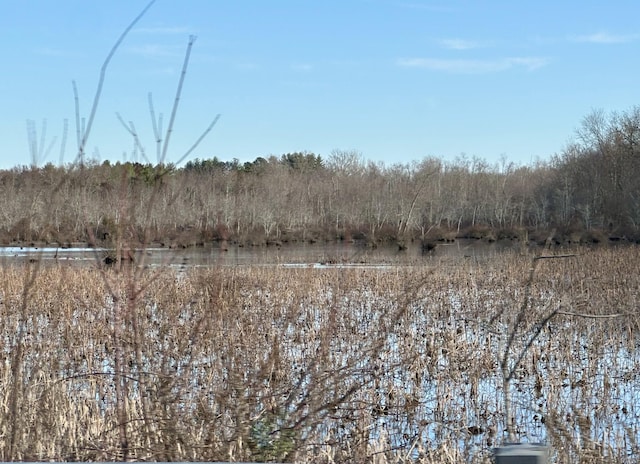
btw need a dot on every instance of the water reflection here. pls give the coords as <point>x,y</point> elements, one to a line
<point>317,255</point>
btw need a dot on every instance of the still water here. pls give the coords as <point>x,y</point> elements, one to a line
<point>328,254</point>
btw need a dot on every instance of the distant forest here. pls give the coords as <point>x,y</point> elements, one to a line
<point>589,192</point>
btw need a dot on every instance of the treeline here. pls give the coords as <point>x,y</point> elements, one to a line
<point>589,191</point>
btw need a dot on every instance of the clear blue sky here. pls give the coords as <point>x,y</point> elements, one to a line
<point>396,80</point>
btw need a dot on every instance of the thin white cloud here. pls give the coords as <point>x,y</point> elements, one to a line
<point>426,7</point>
<point>531,63</point>
<point>301,67</point>
<point>55,52</point>
<point>165,30</point>
<point>305,85</point>
<point>153,51</point>
<point>166,71</point>
<point>246,66</point>
<point>605,38</point>
<point>474,66</point>
<point>460,44</point>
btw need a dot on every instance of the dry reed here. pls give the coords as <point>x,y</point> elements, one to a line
<point>396,364</point>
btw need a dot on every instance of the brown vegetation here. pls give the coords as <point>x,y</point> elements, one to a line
<point>588,194</point>
<point>120,361</point>
<point>319,365</point>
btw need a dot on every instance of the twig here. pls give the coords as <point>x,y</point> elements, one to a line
<point>555,256</point>
<point>79,130</point>
<point>509,371</point>
<point>157,127</point>
<point>197,142</point>
<point>174,110</point>
<point>538,328</point>
<point>87,130</point>
<point>590,316</point>
<point>131,128</point>
<point>63,142</point>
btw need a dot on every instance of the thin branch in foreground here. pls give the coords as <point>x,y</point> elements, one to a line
<point>156,123</point>
<point>555,256</point>
<point>103,71</point>
<point>197,142</point>
<point>508,372</point>
<point>131,128</point>
<point>590,316</point>
<point>174,110</point>
<point>63,142</point>
<point>79,130</point>
<point>536,332</point>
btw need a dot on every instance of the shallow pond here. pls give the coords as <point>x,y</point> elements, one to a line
<point>327,254</point>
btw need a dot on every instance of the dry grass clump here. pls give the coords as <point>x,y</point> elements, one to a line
<point>328,365</point>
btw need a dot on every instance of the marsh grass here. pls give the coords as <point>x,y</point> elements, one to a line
<point>398,364</point>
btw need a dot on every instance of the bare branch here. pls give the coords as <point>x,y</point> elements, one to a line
<point>43,134</point>
<point>590,316</point>
<point>49,148</point>
<point>32,139</point>
<point>197,142</point>
<point>63,142</point>
<point>537,330</point>
<point>174,110</point>
<point>131,128</point>
<point>87,130</point>
<point>157,127</point>
<point>555,256</point>
<point>77,114</point>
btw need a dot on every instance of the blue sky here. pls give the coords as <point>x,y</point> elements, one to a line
<point>396,80</point>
